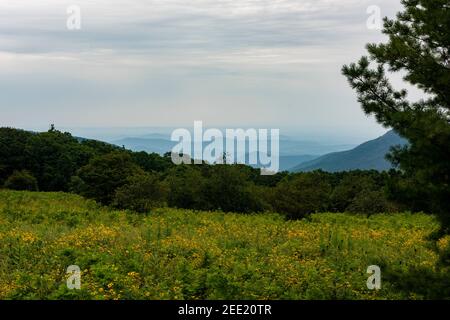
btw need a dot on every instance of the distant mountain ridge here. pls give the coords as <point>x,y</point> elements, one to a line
<point>292,151</point>
<point>288,147</point>
<point>367,156</point>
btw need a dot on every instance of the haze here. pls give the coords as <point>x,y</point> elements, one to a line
<point>166,63</point>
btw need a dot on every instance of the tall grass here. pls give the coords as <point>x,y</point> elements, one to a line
<point>181,254</point>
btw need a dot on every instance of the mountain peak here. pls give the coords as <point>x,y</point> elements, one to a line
<point>368,155</point>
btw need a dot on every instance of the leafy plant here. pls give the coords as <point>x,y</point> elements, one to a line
<point>21,180</point>
<point>142,193</point>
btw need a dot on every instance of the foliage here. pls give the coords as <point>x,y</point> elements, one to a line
<point>54,157</point>
<point>361,192</point>
<point>302,194</point>
<point>12,151</point>
<point>370,202</point>
<point>418,47</point>
<point>186,185</point>
<point>21,180</point>
<point>142,193</point>
<point>228,188</point>
<point>96,170</point>
<point>152,161</point>
<point>103,175</point>
<point>182,254</point>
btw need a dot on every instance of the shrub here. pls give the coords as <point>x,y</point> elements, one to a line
<point>142,193</point>
<point>302,194</point>
<point>228,188</point>
<point>21,180</point>
<point>370,202</point>
<point>186,185</point>
<point>361,192</point>
<point>103,175</point>
<point>218,187</point>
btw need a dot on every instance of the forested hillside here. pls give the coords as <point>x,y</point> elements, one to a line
<point>370,155</point>
<point>56,161</point>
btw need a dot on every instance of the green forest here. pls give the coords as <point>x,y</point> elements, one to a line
<point>113,176</point>
<point>141,227</point>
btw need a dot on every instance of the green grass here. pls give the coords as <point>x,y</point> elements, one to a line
<point>181,254</point>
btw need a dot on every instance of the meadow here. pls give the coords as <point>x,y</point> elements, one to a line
<point>182,254</point>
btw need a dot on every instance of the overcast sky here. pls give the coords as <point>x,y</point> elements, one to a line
<point>252,63</point>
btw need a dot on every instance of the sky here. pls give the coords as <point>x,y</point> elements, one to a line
<point>138,63</point>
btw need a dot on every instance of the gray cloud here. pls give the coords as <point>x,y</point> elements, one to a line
<point>168,62</point>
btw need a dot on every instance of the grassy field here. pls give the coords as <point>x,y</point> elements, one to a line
<point>180,254</point>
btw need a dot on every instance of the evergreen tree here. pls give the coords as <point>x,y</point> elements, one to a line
<point>418,47</point>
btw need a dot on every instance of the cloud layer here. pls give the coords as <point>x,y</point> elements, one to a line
<point>169,62</point>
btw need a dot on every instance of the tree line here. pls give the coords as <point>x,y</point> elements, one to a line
<point>139,181</point>
<point>417,45</point>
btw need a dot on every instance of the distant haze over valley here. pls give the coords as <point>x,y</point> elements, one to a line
<point>297,152</point>
<point>350,136</point>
